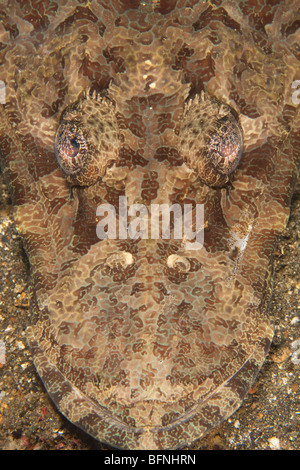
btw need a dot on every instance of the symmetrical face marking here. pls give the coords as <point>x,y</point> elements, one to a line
<point>143,342</point>
<point>88,140</point>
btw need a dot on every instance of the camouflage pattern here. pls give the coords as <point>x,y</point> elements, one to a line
<point>140,342</point>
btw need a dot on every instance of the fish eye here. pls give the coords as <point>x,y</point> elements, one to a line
<point>87,140</point>
<point>211,139</point>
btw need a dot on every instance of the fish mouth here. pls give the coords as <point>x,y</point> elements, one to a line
<point>147,424</point>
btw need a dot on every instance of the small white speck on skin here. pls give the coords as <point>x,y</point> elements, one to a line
<point>274,443</point>
<point>128,258</point>
<point>236,424</point>
<point>295,320</point>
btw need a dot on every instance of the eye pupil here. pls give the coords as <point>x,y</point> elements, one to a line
<point>74,148</point>
<point>70,147</point>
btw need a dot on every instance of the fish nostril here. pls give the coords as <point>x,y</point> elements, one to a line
<point>180,263</point>
<point>121,259</point>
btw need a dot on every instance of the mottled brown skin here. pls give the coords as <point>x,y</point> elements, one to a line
<point>142,343</point>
